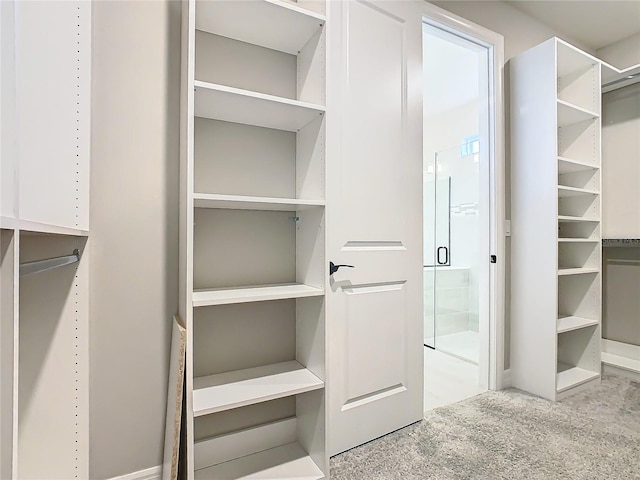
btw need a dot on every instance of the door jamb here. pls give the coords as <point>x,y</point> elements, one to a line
<point>447,21</point>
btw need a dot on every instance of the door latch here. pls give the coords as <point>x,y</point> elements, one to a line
<point>494,259</point>
<point>333,268</point>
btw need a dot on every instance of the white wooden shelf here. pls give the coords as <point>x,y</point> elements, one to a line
<point>569,114</point>
<point>288,462</point>
<point>223,296</point>
<point>572,61</point>
<point>577,271</point>
<point>568,218</point>
<point>238,202</point>
<point>273,24</point>
<point>626,363</point>
<point>569,323</point>
<point>27,226</point>
<point>216,393</point>
<point>621,355</point>
<point>567,165</point>
<point>577,240</point>
<point>574,192</point>
<point>220,102</point>
<point>569,377</point>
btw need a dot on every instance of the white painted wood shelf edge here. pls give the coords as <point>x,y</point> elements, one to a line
<point>577,271</point>
<point>288,30</point>
<point>28,226</point>
<point>240,202</point>
<point>568,114</point>
<point>568,218</point>
<point>223,296</point>
<point>224,391</point>
<point>568,165</point>
<point>287,462</point>
<point>221,102</point>
<point>626,363</point>
<point>564,191</point>
<point>569,377</point>
<point>578,240</point>
<point>570,323</point>
<point>625,356</point>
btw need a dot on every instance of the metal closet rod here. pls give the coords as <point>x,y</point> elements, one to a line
<point>632,79</point>
<point>29,268</point>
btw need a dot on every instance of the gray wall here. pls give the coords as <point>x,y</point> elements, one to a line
<point>134,237</point>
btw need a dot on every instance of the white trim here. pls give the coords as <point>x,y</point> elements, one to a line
<point>153,473</point>
<point>506,379</point>
<point>441,18</point>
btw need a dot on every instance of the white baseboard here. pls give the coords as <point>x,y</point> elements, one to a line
<point>506,379</point>
<point>153,473</point>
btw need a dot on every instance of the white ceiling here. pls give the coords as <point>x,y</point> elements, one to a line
<point>595,24</point>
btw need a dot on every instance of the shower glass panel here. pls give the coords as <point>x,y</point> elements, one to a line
<point>437,198</point>
<point>457,270</point>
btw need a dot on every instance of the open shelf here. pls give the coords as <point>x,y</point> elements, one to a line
<point>220,102</point>
<point>26,226</point>
<point>241,202</point>
<point>224,296</point>
<point>569,377</point>
<point>273,24</point>
<point>625,363</point>
<point>569,114</point>
<point>287,462</point>
<point>625,356</point>
<point>224,391</point>
<point>577,271</point>
<point>570,219</point>
<point>574,192</point>
<point>567,165</point>
<point>577,240</point>
<point>569,323</point>
<point>572,61</point>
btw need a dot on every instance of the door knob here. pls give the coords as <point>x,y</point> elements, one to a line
<point>333,268</point>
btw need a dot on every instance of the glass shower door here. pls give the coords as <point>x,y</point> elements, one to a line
<point>436,240</point>
<point>457,270</point>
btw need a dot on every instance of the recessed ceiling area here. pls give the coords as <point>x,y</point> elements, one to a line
<point>596,24</point>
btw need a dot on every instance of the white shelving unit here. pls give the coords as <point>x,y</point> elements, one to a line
<point>556,244</point>
<point>44,214</point>
<point>252,238</point>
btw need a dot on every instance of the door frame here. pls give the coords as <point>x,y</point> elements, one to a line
<point>494,42</point>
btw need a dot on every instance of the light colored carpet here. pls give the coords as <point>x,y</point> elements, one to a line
<point>594,434</point>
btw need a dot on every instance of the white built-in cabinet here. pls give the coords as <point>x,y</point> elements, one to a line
<point>45,69</point>
<point>556,234</point>
<point>252,255</point>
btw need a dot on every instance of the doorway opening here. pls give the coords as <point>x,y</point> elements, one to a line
<point>457,202</point>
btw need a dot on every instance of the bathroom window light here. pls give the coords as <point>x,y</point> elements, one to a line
<point>470,145</point>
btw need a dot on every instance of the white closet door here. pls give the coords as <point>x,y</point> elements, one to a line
<point>374,184</point>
